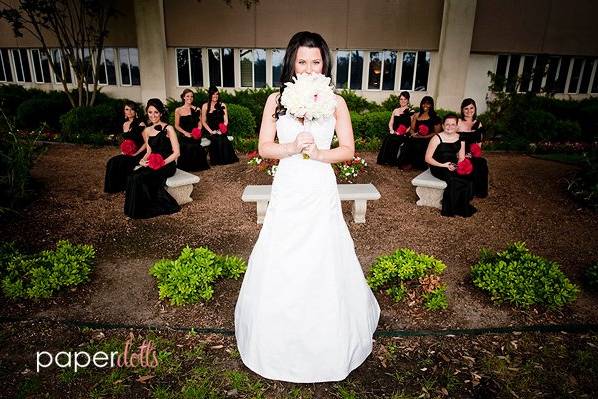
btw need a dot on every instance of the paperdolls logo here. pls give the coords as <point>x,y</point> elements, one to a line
<point>144,357</point>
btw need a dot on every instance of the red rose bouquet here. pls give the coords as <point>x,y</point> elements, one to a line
<point>196,133</point>
<point>128,147</point>
<point>401,130</point>
<point>155,161</point>
<point>475,150</point>
<point>464,167</point>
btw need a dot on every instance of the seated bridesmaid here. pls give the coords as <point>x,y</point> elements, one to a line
<point>214,119</point>
<point>423,126</point>
<point>393,148</point>
<point>443,153</point>
<point>471,131</point>
<point>146,196</point>
<point>132,148</point>
<point>186,118</point>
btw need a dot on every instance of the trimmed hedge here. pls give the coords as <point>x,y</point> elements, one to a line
<point>36,111</point>
<point>241,122</point>
<point>91,125</point>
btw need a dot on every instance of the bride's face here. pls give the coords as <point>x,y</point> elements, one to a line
<point>308,60</point>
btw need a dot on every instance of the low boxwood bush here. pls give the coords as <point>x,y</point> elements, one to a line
<point>406,273</point>
<point>45,109</point>
<point>190,278</point>
<point>91,125</point>
<point>241,122</point>
<point>358,104</point>
<point>591,276</point>
<point>41,275</point>
<point>373,124</point>
<point>518,277</point>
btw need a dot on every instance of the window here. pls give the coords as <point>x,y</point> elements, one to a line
<point>513,73</point>
<point>342,69</point>
<point>189,67</point>
<point>356,73</point>
<point>5,71</point>
<point>87,65</point>
<point>107,69</point>
<point>277,63</point>
<point>349,69</point>
<point>253,68</point>
<point>221,67</point>
<point>527,72</point>
<point>61,64</point>
<point>415,69</point>
<point>586,74</point>
<point>382,70</point>
<point>41,66</point>
<point>21,61</point>
<point>129,66</point>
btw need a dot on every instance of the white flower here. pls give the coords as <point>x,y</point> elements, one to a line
<point>309,97</point>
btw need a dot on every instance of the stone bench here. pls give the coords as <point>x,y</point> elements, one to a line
<point>429,189</point>
<point>360,194</point>
<point>180,186</point>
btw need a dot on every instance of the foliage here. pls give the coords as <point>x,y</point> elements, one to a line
<point>371,125</point>
<point>241,122</point>
<point>18,152</point>
<point>350,169</point>
<point>266,165</point>
<point>521,278</point>
<point>41,275</point>
<point>406,273</point>
<point>358,104</point>
<point>584,185</point>
<point>91,125</point>
<point>245,144</point>
<point>12,95</point>
<point>391,103</point>
<point>190,278</point>
<point>82,25</point>
<point>45,109</point>
<point>591,276</point>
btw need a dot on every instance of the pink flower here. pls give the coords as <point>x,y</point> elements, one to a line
<point>464,167</point>
<point>128,147</point>
<point>423,130</point>
<point>155,161</point>
<point>402,129</point>
<point>196,133</point>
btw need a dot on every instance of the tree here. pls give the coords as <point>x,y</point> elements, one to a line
<point>80,28</point>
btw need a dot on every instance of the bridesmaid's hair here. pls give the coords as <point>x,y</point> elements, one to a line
<point>158,105</point>
<point>405,94</point>
<point>450,115</point>
<point>301,39</point>
<point>465,103</point>
<point>184,93</point>
<point>211,91</point>
<point>427,100</point>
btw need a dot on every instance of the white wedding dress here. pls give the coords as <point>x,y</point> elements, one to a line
<point>305,312</point>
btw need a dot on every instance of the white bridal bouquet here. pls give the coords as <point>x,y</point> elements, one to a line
<point>309,97</point>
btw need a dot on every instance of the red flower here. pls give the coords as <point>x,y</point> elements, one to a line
<point>423,130</point>
<point>402,129</point>
<point>464,167</point>
<point>252,154</point>
<point>128,147</point>
<point>196,133</point>
<point>475,150</point>
<point>155,161</point>
<point>223,128</point>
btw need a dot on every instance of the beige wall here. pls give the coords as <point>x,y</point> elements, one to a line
<point>378,24</point>
<point>121,28</point>
<point>536,26</point>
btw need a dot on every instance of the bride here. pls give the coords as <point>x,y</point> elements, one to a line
<point>305,312</point>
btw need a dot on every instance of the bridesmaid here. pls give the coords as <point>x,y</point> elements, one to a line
<point>146,196</point>
<point>214,117</point>
<point>186,117</point>
<point>471,131</point>
<point>423,126</point>
<point>393,148</point>
<point>120,166</point>
<point>443,153</point>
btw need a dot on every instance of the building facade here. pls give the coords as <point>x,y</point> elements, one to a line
<point>444,49</point>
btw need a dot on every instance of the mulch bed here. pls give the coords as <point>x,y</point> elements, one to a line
<point>528,202</point>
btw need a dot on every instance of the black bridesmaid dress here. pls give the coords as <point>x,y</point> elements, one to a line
<point>393,149</point>
<point>417,147</point>
<point>458,191</point>
<point>221,149</point>
<point>479,176</point>
<point>120,166</point>
<point>193,156</point>
<point>146,196</point>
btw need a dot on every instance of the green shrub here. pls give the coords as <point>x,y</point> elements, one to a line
<point>521,278</point>
<point>391,103</point>
<point>190,278</point>
<point>245,144</point>
<point>565,130</point>
<point>406,271</point>
<point>584,184</point>
<point>241,122</point>
<point>43,274</point>
<point>34,112</point>
<point>91,125</point>
<point>11,96</point>
<point>374,124</point>
<point>358,104</point>
<point>538,125</point>
<point>591,276</point>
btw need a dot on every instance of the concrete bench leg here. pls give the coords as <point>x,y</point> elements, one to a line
<point>182,194</point>
<point>429,197</point>
<point>358,209</point>
<point>261,211</point>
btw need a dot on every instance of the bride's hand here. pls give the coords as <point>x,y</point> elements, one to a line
<point>313,152</point>
<point>302,141</point>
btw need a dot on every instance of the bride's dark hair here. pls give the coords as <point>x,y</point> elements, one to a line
<point>301,39</point>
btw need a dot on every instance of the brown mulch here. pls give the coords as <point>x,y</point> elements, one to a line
<point>528,202</point>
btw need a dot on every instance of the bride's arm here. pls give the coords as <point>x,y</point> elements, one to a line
<point>344,131</point>
<point>267,148</point>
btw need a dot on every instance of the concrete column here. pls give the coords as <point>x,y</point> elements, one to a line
<point>151,42</point>
<point>453,53</point>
